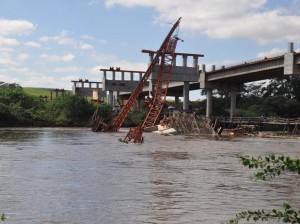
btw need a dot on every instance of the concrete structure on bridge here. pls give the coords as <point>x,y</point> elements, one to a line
<point>89,89</point>
<point>184,78</point>
<point>231,78</point>
<point>117,81</point>
<point>120,86</point>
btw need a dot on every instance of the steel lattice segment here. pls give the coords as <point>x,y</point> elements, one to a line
<point>167,47</point>
<point>167,55</point>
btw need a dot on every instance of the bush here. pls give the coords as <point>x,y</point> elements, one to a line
<point>134,118</point>
<point>69,110</point>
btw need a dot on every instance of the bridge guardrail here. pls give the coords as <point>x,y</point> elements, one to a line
<point>269,57</point>
<point>266,120</point>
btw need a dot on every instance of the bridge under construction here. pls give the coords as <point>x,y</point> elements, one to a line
<point>166,78</point>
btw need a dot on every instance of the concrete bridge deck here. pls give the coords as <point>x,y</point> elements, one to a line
<point>186,78</point>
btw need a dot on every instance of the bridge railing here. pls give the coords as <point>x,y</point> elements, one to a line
<point>251,61</point>
<point>260,120</point>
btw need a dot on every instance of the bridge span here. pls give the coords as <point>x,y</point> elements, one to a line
<point>232,77</point>
<point>120,83</point>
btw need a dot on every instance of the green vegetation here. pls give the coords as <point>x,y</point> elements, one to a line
<point>134,118</point>
<point>20,109</point>
<point>279,97</point>
<point>3,217</point>
<point>24,107</point>
<point>271,166</point>
<point>37,91</point>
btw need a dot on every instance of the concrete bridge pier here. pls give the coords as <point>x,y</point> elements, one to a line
<point>186,96</point>
<point>110,98</point>
<point>205,85</point>
<point>233,104</point>
<point>176,102</point>
<point>186,87</point>
<point>208,103</point>
<point>116,97</point>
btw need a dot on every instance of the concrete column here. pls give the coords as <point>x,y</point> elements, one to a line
<point>290,47</point>
<point>151,56</point>
<point>208,103</point>
<point>186,96</point>
<point>113,75</point>
<point>116,95</point>
<point>122,76</point>
<point>90,85</point>
<point>213,67</point>
<point>184,61</point>
<point>141,76</point>
<point>111,98</point>
<point>131,76</point>
<point>176,102</point>
<point>186,87</point>
<point>195,61</point>
<point>104,74</point>
<point>174,60</point>
<point>232,104</point>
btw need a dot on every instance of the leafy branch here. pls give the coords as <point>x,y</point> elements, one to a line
<point>288,215</point>
<point>271,166</point>
<point>3,217</point>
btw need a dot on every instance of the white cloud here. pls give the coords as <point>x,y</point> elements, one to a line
<point>69,78</point>
<point>55,58</point>
<point>19,70</point>
<point>22,57</point>
<point>95,70</point>
<point>68,57</point>
<point>103,57</point>
<point>7,61</point>
<point>273,51</point>
<point>127,65</point>
<point>8,42</point>
<point>61,39</point>
<point>10,28</point>
<point>72,69</point>
<point>85,46</point>
<point>227,18</point>
<point>32,44</point>
<point>9,79</point>
<point>89,37</point>
<point>15,27</point>
<point>93,2</point>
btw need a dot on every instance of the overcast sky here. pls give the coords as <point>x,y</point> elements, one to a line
<point>48,43</point>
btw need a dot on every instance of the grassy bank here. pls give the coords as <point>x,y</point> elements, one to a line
<point>42,91</point>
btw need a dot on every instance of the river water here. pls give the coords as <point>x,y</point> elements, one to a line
<point>55,175</point>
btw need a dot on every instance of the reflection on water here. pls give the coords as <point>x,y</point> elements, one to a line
<point>18,135</point>
<point>77,176</point>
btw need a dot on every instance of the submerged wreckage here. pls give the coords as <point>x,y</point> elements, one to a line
<point>165,59</point>
<point>181,123</point>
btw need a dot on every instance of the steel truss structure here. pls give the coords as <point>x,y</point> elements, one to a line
<point>165,58</point>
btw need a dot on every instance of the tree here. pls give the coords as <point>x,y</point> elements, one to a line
<point>69,110</point>
<point>271,166</point>
<point>16,107</point>
<point>289,87</point>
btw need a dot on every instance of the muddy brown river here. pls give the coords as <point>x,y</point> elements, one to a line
<point>57,175</point>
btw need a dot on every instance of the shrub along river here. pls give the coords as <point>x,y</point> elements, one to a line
<point>61,175</point>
